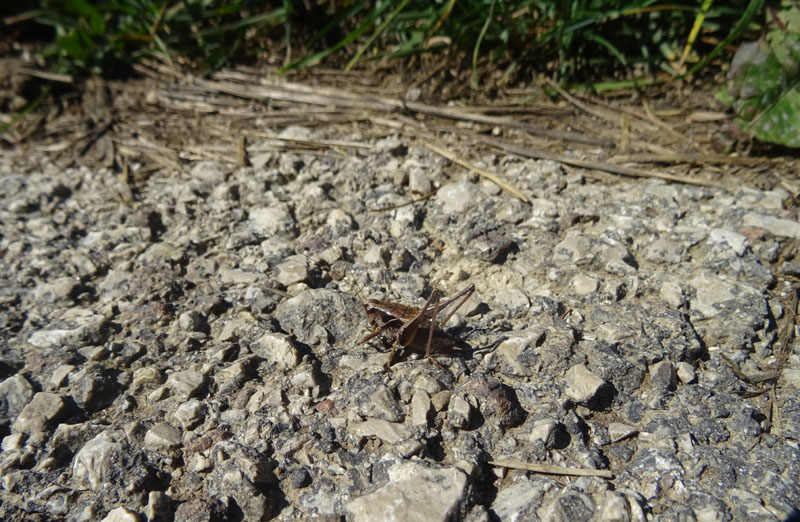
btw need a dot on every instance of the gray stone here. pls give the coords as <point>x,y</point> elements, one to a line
<point>715,294</point>
<point>191,321</point>
<point>163,251</point>
<point>243,474</point>
<point>617,507</point>
<point>191,414</point>
<point>574,249</point>
<point>147,376</point>
<point>236,373</point>
<point>441,400</point>
<point>94,388</point>
<point>187,383</point>
<point>239,277</point>
<point>672,294</point>
<point>293,270</point>
<point>403,222</point>
<point>242,326</point>
<point>300,478</point>
<point>107,462</point>
<point>41,413</point>
<point>460,410</point>
<point>60,375</point>
<point>791,376</point>
<point>662,376</point>
<point>514,301</point>
<point>414,492</point>
<point>313,312</point>
<point>15,393</point>
<point>569,505</point>
<point>378,402</point>
<point>664,251</point>
<point>376,255</point>
<point>517,352</point>
<point>277,348</point>
<point>201,510</point>
<point>162,437</point>
<point>497,402</point>
<point>275,220</point>
<point>59,289</point>
<point>666,334</point>
<point>615,259</point>
<point>14,441</point>
<point>158,506</point>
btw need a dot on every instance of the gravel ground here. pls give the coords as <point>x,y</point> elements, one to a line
<point>192,352</point>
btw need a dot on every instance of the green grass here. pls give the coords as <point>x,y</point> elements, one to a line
<point>576,40</point>
<point>107,37</point>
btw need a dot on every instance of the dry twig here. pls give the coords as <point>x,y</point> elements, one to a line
<point>552,470</point>
<point>485,173</point>
<point>606,167</point>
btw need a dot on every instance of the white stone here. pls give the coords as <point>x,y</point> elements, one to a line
<point>209,171</point>
<point>582,385</point>
<point>191,413</point>
<point>420,408</point>
<point>339,218</point>
<point>736,241</point>
<point>91,462</point>
<point>457,197</point>
<point>42,412</point>
<point>414,493</point>
<point>685,372</point>
<point>186,383</point>
<point>120,514</point>
<point>775,225</point>
<point>391,432</point>
<point>542,430</point>
<point>615,508</point>
<point>275,220</point>
<point>519,501</point>
<point>277,348</point>
<point>618,431</point>
<point>583,284</point>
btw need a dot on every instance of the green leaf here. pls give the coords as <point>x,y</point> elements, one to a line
<point>764,83</point>
<point>780,122</point>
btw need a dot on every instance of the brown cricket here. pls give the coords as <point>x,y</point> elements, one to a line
<point>413,327</point>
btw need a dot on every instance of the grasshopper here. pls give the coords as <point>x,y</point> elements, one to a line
<point>413,327</point>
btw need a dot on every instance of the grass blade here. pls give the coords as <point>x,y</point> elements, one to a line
<point>378,31</point>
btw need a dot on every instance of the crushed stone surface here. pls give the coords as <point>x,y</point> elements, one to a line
<point>195,353</point>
